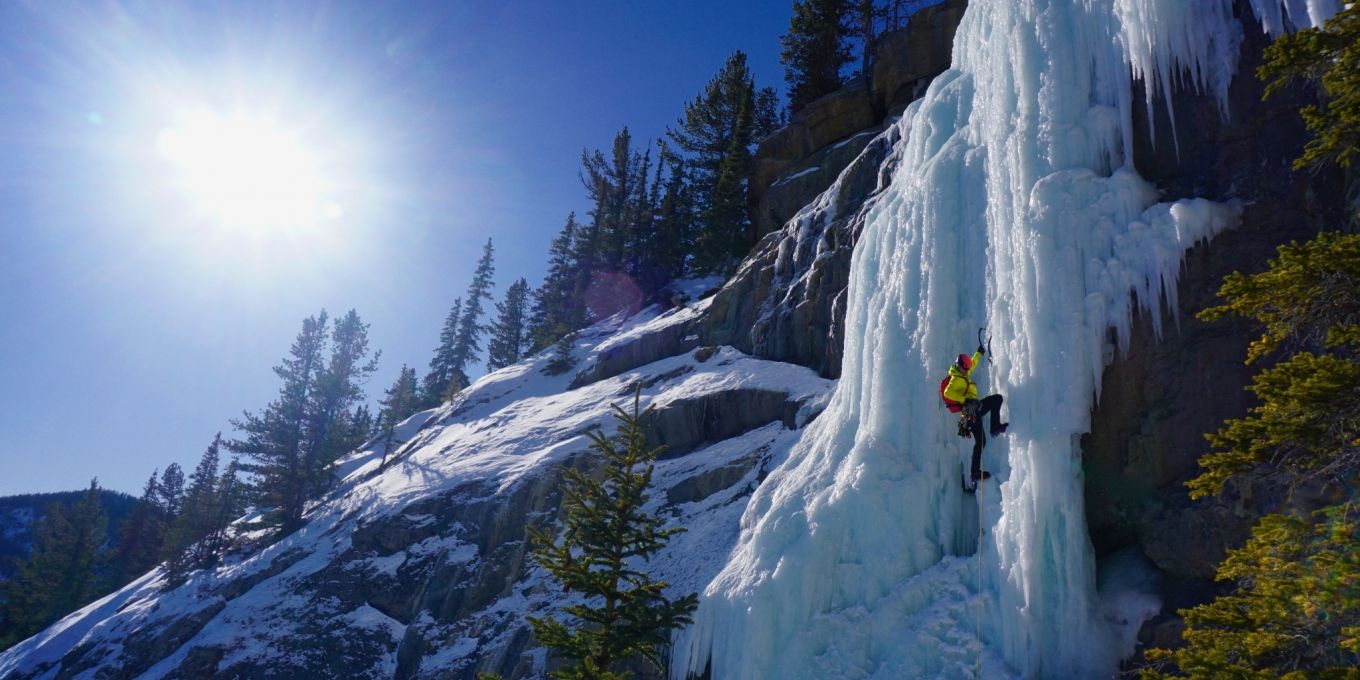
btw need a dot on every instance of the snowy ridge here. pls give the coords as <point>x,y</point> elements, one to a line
<point>1014,206</point>
<point>335,598</point>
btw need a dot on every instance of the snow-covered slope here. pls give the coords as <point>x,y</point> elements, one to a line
<point>418,569</point>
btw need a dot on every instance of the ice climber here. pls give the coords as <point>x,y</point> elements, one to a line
<point>960,394</point>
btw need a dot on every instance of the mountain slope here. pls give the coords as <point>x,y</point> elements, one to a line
<point>418,569</point>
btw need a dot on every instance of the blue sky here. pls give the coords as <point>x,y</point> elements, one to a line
<point>135,327</point>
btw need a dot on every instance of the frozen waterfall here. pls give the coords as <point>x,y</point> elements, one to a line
<point>1014,207</point>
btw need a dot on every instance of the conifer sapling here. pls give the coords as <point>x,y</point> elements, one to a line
<point>607,537</point>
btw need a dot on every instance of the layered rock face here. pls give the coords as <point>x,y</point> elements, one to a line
<point>799,161</point>
<point>1164,394</point>
<point>787,300</point>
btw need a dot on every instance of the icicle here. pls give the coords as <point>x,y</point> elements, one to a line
<point>1015,206</point>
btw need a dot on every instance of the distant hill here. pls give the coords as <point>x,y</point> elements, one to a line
<point>18,514</point>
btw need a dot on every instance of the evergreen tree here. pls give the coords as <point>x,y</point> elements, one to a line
<point>330,431</point>
<point>717,134</point>
<point>610,184</point>
<point>555,311</point>
<point>442,371</point>
<point>1295,611</point>
<point>460,339</point>
<point>140,537</point>
<point>725,235</point>
<point>362,427</point>
<point>182,549</point>
<point>467,344</point>
<point>275,441</point>
<point>562,360</point>
<point>1308,299</point>
<point>865,15</point>
<point>1325,56</point>
<point>170,491</point>
<point>675,219</point>
<point>606,540</point>
<point>400,401</point>
<point>61,573</point>
<point>509,332</point>
<point>228,504</point>
<point>815,49</point>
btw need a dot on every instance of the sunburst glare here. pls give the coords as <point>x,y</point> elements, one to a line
<point>247,172</point>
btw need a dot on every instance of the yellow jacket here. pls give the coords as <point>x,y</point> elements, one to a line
<point>961,387</point>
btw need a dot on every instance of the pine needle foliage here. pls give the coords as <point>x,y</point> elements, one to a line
<point>1295,613</point>
<point>1325,56</point>
<point>1308,422</point>
<point>606,539</point>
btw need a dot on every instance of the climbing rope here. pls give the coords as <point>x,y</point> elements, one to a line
<point>982,511</point>
<point>982,515</point>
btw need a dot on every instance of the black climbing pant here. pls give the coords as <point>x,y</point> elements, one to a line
<point>992,405</point>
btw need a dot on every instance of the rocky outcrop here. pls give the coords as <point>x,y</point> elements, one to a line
<point>644,347</point>
<point>1163,394</point>
<point>802,159</point>
<point>906,60</point>
<point>799,161</point>
<point>787,301</point>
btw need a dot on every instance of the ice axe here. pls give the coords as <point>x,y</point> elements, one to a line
<point>985,343</point>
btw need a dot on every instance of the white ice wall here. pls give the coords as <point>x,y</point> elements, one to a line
<point>1015,208</point>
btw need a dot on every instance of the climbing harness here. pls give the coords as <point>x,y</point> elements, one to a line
<point>967,417</point>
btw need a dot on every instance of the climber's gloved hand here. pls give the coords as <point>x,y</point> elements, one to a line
<point>981,349</point>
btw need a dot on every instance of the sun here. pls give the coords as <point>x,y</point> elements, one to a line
<point>248,173</point>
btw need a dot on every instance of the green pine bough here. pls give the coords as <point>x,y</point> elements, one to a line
<point>607,536</point>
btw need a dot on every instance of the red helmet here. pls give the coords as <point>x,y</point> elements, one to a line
<point>965,362</point>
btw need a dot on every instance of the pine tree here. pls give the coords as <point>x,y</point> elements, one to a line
<point>1295,611</point>
<point>717,134</point>
<point>725,235</point>
<point>442,371</point>
<point>399,402</point>
<point>140,537</point>
<point>362,427</point>
<point>460,339</point>
<point>562,360</point>
<point>509,332</point>
<point>1325,56</point>
<point>170,491</point>
<point>182,549</point>
<point>815,49</point>
<point>330,431</point>
<point>275,441</point>
<point>228,503</point>
<point>1307,299</point>
<point>606,539</point>
<point>467,342</point>
<point>61,572</point>
<point>610,184</point>
<point>675,218</point>
<point>556,311</point>
<point>865,15</point>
